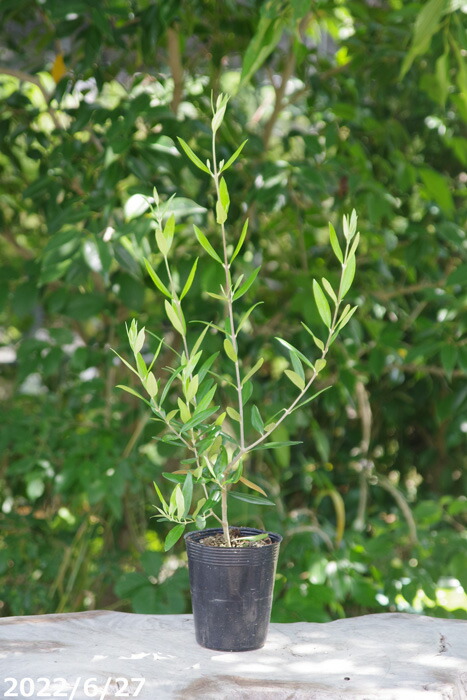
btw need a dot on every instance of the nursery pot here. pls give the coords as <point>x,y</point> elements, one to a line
<point>231,590</point>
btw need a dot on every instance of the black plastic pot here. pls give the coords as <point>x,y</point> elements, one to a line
<point>231,591</point>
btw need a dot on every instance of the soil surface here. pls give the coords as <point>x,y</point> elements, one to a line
<point>236,540</point>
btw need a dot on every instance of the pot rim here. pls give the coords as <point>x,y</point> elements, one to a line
<point>189,536</point>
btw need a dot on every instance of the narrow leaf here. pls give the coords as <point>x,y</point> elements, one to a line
<point>310,398</point>
<point>355,243</point>
<point>246,315</point>
<point>224,195</point>
<point>299,354</point>
<point>221,214</point>
<point>174,318</point>
<point>129,390</point>
<point>320,364</point>
<point>343,321</point>
<point>253,486</point>
<point>179,501</point>
<point>335,243</point>
<point>173,536</point>
<point>151,385</point>
<point>155,278</point>
<point>240,241</point>
<point>256,420</point>
<point>190,279</point>
<point>327,286</point>
<point>193,157</point>
<point>319,343</point>
<point>233,157</point>
<point>246,285</point>
<point>161,497</point>
<point>233,413</point>
<point>295,379</point>
<point>348,275</point>
<point>206,245</point>
<point>249,498</point>
<point>322,304</point>
<point>125,362</point>
<point>229,350</point>
<point>253,370</point>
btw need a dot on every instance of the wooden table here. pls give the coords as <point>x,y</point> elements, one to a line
<point>104,655</point>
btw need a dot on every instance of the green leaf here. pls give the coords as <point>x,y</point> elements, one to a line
<point>319,343</point>
<point>232,413</point>
<point>174,374</point>
<point>310,398</point>
<point>295,379</point>
<point>161,497</point>
<point>297,365</point>
<point>206,245</point>
<point>126,363</point>
<point>229,350</point>
<point>175,319</point>
<point>240,241</point>
<point>246,285</point>
<point>221,214</point>
<point>173,536</point>
<point>179,501</point>
<point>327,286</point>
<point>253,370</point>
<point>224,195</point>
<point>320,364</point>
<point>335,243</point>
<point>250,498</point>
<point>151,385</point>
<point>190,279</point>
<point>234,157</point>
<point>345,318</point>
<point>322,304</point>
<point>193,157</point>
<point>219,112</point>
<point>426,25</point>
<point>348,275</point>
<point>155,278</point>
<point>277,445</point>
<point>198,418</point>
<point>129,390</point>
<point>185,414</point>
<point>256,420</point>
<point>246,315</point>
<point>354,245</point>
<point>294,350</point>
<point>268,34</point>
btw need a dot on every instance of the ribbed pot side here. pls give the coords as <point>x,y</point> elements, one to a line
<point>231,591</point>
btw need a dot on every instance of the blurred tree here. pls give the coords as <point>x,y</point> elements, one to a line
<point>344,104</point>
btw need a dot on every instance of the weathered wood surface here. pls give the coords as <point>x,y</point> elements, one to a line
<point>374,657</point>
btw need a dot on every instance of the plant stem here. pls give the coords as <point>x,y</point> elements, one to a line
<point>233,338</point>
<point>225,522</point>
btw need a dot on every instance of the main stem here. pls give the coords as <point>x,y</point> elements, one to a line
<point>233,339</point>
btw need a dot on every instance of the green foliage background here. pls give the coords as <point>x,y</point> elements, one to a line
<point>345,105</point>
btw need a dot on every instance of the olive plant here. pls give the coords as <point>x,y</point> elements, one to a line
<point>215,460</point>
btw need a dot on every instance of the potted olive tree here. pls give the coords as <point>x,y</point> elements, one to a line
<point>231,569</point>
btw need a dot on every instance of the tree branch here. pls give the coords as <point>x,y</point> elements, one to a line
<point>176,67</point>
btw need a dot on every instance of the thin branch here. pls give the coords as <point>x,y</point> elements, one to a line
<point>176,67</point>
